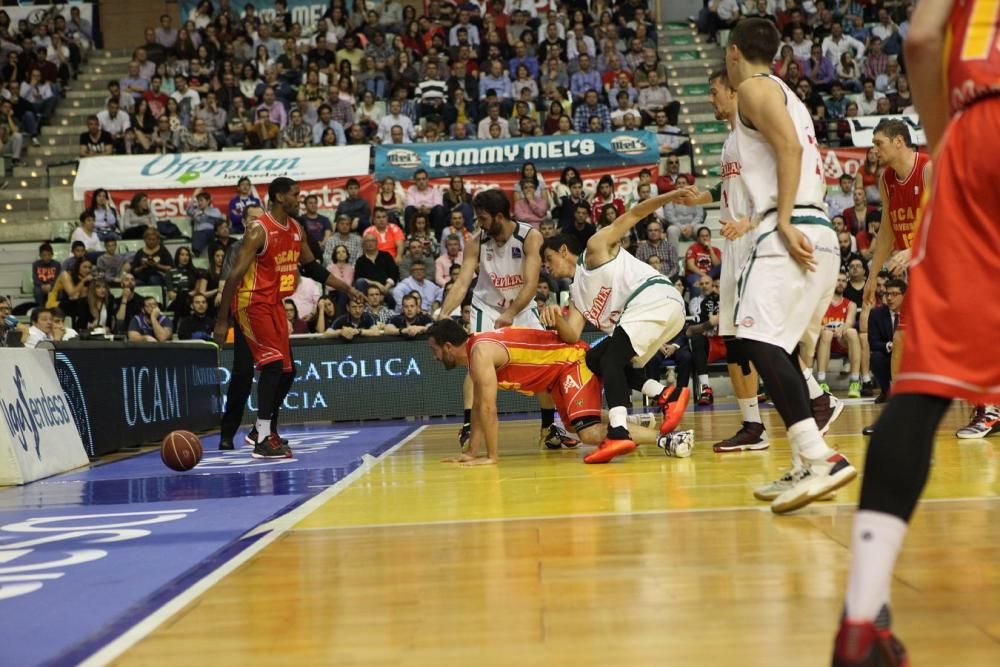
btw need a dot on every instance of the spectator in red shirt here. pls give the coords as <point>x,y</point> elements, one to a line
<point>605,195</point>
<point>702,258</point>
<point>673,178</point>
<point>389,235</point>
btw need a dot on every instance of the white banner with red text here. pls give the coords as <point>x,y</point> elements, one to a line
<point>840,161</point>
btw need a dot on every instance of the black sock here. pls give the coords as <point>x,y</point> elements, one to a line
<point>618,433</point>
<point>467,417</point>
<point>548,417</point>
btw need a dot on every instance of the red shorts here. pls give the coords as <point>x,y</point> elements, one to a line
<point>577,395</point>
<point>265,328</point>
<point>716,349</point>
<point>950,306</point>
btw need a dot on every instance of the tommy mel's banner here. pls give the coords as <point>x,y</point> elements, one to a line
<point>863,127</point>
<point>171,179</point>
<point>548,153</point>
<point>38,436</point>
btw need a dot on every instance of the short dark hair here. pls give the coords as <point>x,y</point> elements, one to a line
<point>757,39</point>
<point>892,128</point>
<point>77,244</point>
<point>556,242</point>
<point>87,213</point>
<point>447,330</point>
<point>866,80</point>
<point>493,201</point>
<point>897,283</point>
<point>720,75</point>
<point>352,181</point>
<point>35,312</point>
<point>45,247</point>
<point>279,186</point>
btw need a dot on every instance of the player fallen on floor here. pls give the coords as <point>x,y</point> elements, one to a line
<point>634,304</point>
<point>530,361</point>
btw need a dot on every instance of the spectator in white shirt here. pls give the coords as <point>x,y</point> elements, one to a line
<point>579,43</point>
<point>41,327</point>
<point>885,28</point>
<point>838,43</point>
<point>801,45</point>
<point>493,118</point>
<point>113,121</point>
<point>392,119</point>
<point>867,101</point>
<point>840,199</point>
<point>463,22</point>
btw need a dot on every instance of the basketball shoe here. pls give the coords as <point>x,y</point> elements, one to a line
<point>868,644</point>
<point>226,444</point>
<point>772,490</point>
<point>251,437</point>
<point>678,444</point>
<point>707,397</point>
<point>984,423</point>
<point>673,411</point>
<point>464,435</point>
<point>817,478</point>
<point>826,409</point>
<point>854,391</point>
<point>271,447</point>
<point>555,437</point>
<point>751,436</point>
<point>614,444</point>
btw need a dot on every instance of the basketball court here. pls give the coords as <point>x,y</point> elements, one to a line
<point>366,550</point>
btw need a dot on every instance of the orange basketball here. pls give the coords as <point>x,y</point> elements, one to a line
<point>181,450</point>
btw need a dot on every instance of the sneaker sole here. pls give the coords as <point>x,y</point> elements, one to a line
<point>842,478</point>
<point>766,497</point>
<point>270,456</point>
<point>608,453</point>
<point>837,410</point>
<point>676,413</point>
<point>976,436</point>
<point>719,448</point>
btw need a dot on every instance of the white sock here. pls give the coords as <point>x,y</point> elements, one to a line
<point>875,542</point>
<point>814,389</point>
<point>854,377</point>
<point>749,409</point>
<point>807,440</point>
<point>821,376</point>
<point>796,456</point>
<point>263,428</point>
<point>618,416</point>
<point>866,377</point>
<point>652,388</point>
<point>703,381</point>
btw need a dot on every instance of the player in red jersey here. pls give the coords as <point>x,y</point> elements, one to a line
<point>531,361</point>
<point>273,249</point>
<point>953,59</point>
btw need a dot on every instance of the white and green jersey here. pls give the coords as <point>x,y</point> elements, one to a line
<point>501,274</point>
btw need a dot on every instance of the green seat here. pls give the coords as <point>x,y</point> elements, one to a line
<point>27,284</point>
<point>200,262</point>
<point>150,290</point>
<point>60,251</point>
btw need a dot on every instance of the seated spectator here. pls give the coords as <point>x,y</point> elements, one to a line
<point>883,322</point>
<point>44,273</point>
<point>163,139</point>
<point>317,226</point>
<point>76,252</point>
<point>355,322</point>
<point>857,276</point>
<point>296,134</point>
<point>180,283</point>
<point>238,123</point>
<point>570,196</point>
<point>60,330</point>
<point>839,336</point>
<point>421,232</point>
<point>413,250</point>
<point>204,217</point>
<point>376,307</point>
<point>264,133</point>
<point>95,141</point>
<point>582,227</point>
<point>71,287</point>
<point>819,70</point>
<point>342,235</point>
<point>856,216</point>
<point>430,293</point>
<point>707,345</point>
<point>342,265</point>
<point>39,97</point>
<point>389,235</point>
<point>200,324</point>
<point>867,101</point>
<point>150,325</point>
<point>111,265</point>
<point>492,118</point>
<point>129,144</point>
<point>113,121</point>
<point>532,206</point>
<point>135,84</point>
<point>86,233</point>
<point>839,200</point>
<point>151,262</point>
<point>591,108</point>
<point>655,96</point>
<point>457,226</point>
<point>128,305</point>
<point>11,137</point>
<point>411,321</point>
<point>452,256</point>
<point>41,327</point>
<point>296,325</point>
<point>375,267</point>
<point>97,313</point>
<point>244,197</point>
<point>657,245</point>
<point>702,257</point>
<point>673,178</point>
<point>210,281</point>
<point>215,118</point>
<point>605,195</point>
<point>421,197</point>
<point>9,324</point>
<point>105,215</point>
<point>356,208</point>
<point>865,239</point>
<point>394,118</point>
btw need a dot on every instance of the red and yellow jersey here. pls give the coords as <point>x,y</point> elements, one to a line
<point>836,314</point>
<point>972,52</point>
<point>905,197</point>
<point>538,360</point>
<point>271,276</point>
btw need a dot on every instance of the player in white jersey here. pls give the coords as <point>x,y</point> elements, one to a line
<point>632,302</point>
<point>507,255</point>
<point>785,286</point>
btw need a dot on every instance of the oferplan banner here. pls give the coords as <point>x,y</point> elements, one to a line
<point>548,153</point>
<point>170,171</point>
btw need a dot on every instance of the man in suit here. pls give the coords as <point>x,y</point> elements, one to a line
<point>883,322</point>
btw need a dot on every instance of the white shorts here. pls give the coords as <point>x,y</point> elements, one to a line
<point>651,318</point>
<point>779,302</point>
<point>735,255</point>
<point>484,317</point>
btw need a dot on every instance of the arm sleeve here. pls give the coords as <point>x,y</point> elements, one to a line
<point>315,271</point>
<point>716,191</point>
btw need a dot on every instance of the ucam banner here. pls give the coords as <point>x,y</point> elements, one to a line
<point>38,435</point>
<point>547,153</point>
<point>863,127</point>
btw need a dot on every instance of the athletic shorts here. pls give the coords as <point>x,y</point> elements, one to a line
<point>653,315</point>
<point>577,395</point>
<point>778,301</point>
<point>957,245</point>
<point>716,349</point>
<point>483,317</point>
<point>265,328</point>
<point>735,255</point>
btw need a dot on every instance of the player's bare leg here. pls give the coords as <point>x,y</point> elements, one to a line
<point>466,431</point>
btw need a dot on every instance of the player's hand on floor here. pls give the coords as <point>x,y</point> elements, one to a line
<point>799,247</point>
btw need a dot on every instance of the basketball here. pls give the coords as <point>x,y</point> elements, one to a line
<point>181,450</point>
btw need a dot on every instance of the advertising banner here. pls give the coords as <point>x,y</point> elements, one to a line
<point>35,14</point>
<point>373,379</point>
<point>863,127</point>
<point>125,394</point>
<point>548,153</point>
<point>839,161</point>
<point>38,437</point>
<point>305,12</point>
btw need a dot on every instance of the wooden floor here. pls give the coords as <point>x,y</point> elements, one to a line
<point>647,561</point>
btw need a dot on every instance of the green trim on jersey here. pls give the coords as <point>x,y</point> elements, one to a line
<point>652,280</point>
<point>716,191</point>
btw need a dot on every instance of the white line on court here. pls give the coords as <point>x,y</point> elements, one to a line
<point>823,508</point>
<point>274,530</point>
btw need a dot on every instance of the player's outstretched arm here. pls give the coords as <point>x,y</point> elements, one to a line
<point>569,327</point>
<point>884,242</point>
<point>531,268</point>
<point>484,402</point>
<point>605,238</point>
<point>253,241</point>
<point>923,47</point>
<point>470,263</point>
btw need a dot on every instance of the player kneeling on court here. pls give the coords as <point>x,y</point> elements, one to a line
<point>526,360</point>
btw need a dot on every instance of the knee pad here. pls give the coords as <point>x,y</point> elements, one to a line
<point>736,353</point>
